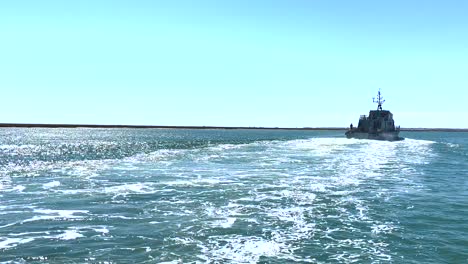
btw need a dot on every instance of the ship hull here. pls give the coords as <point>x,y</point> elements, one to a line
<point>388,136</point>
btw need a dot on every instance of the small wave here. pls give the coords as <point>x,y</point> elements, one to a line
<point>225,223</point>
<point>49,214</point>
<point>144,188</point>
<point>199,181</point>
<point>20,149</point>
<point>87,168</point>
<point>452,145</point>
<point>102,230</point>
<point>13,242</point>
<point>19,188</point>
<point>159,155</point>
<point>243,249</point>
<point>69,235</point>
<point>226,147</point>
<point>51,184</point>
<point>382,228</point>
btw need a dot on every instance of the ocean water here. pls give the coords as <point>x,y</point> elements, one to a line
<point>231,196</point>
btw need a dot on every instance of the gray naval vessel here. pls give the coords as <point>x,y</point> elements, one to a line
<point>378,125</point>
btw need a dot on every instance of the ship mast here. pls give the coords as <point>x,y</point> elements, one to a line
<point>379,101</point>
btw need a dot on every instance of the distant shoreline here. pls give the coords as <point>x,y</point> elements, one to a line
<point>23,125</point>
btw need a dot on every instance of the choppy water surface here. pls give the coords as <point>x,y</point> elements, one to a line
<point>231,196</point>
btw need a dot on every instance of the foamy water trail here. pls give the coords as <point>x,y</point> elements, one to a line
<point>317,200</point>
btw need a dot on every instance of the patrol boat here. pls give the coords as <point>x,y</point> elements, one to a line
<point>378,125</point>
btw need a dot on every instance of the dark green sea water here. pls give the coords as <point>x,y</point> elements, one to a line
<point>231,196</point>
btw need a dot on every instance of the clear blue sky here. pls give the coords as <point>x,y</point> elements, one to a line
<point>290,63</point>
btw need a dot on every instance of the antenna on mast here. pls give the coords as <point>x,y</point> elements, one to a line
<point>379,101</point>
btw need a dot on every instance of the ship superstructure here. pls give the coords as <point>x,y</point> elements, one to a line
<point>379,124</point>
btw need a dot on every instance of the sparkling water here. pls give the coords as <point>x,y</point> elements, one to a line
<point>231,196</point>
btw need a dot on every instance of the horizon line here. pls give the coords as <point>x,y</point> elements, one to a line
<point>42,125</point>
